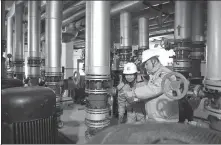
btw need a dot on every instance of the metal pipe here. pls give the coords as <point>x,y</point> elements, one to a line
<point>9,37</point>
<point>197,53</point>
<point>97,63</point>
<point>3,40</point>
<point>143,33</point>
<point>97,39</point>
<point>18,51</point>
<point>182,24</point>
<point>198,21</point>
<point>182,35</point>
<point>53,36</point>
<point>125,29</point>
<point>34,41</point>
<point>213,75</point>
<point>116,9</point>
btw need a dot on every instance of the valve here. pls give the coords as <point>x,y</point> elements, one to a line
<point>177,83</point>
<point>76,78</point>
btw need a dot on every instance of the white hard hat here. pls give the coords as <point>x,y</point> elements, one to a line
<point>147,54</point>
<point>130,68</point>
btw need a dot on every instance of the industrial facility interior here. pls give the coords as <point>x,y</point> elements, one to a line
<point>62,63</point>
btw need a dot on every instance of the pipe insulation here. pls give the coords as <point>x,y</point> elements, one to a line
<point>198,46</point>
<point>213,75</point>
<point>198,21</point>
<point>3,40</point>
<point>18,51</point>
<point>53,36</point>
<point>98,39</point>
<point>125,29</point>
<point>34,10</point>
<point>143,33</point>
<point>183,15</point>
<point>9,37</point>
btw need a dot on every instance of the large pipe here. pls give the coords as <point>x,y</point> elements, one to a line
<point>97,63</point>
<point>125,51</point>
<point>213,75</point>
<point>198,46</point>
<point>182,24</point>
<point>3,40</point>
<point>125,29</point>
<point>34,41</point>
<point>18,52</point>
<point>198,21</point>
<point>53,36</point>
<point>53,73</point>
<point>143,33</point>
<point>182,35</point>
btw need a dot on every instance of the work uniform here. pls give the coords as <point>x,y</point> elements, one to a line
<point>162,108</point>
<point>136,111</point>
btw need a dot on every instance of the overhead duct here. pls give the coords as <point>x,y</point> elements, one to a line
<point>182,35</point>
<point>34,41</point>
<point>53,73</point>
<point>213,67</point>
<point>198,46</point>
<point>18,52</point>
<point>97,65</point>
<point>125,51</point>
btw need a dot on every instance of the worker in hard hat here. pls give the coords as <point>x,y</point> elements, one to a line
<point>130,80</point>
<point>158,106</point>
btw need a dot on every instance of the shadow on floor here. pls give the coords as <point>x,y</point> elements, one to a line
<point>64,139</point>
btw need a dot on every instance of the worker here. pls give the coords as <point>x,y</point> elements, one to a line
<point>129,81</point>
<point>158,106</point>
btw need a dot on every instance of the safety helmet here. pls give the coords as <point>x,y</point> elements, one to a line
<point>147,54</point>
<point>130,68</point>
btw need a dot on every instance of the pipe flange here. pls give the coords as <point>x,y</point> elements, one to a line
<point>97,124</point>
<point>97,92</point>
<point>97,77</point>
<point>213,84</point>
<point>34,61</point>
<point>97,114</point>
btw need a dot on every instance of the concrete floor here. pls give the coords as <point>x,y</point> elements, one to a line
<point>74,127</point>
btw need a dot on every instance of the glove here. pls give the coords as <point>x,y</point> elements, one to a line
<point>130,100</point>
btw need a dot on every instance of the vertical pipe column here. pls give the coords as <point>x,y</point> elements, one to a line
<point>3,39</point>
<point>197,54</point>
<point>42,68</point>
<point>18,49</point>
<point>97,65</point>
<point>34,21</point>
<point>9,46</point>
<point>143,43</point>
<point>53,73</point>
<point>125,51</point>
<point>182,33</point>
<point>213,75</point>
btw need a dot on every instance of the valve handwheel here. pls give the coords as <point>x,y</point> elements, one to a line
<point>177,83</point>
<point>76,77</point>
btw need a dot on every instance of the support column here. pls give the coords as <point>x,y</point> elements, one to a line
<point>97,65</point>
